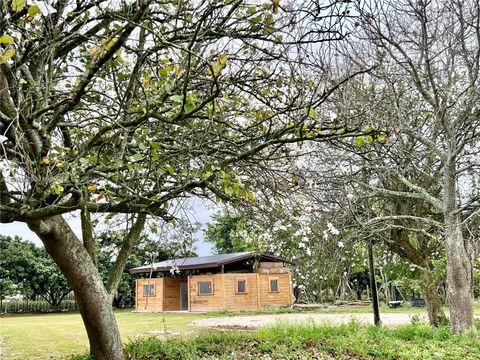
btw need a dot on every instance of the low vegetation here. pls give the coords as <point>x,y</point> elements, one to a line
<point>312,341</point>
<point>172,336</point>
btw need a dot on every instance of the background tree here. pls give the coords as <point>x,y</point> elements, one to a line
<point>29,270</point>
<point>223,234</point>
<point>430,52</point>
<point>128,108</point>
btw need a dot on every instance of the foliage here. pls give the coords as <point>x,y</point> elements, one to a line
<point>31,271</point>
<point>223,234</point>
<point>29,306</point>
<point>293,341</point>
<point>131,107</point>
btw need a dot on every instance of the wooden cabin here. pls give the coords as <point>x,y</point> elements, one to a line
<point>238,281</point>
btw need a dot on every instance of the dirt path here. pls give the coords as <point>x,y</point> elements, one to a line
<point>256,321</point>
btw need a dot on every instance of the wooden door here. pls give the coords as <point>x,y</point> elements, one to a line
<point>183,295</point>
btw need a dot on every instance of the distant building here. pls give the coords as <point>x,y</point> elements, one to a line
<point>239,281</point>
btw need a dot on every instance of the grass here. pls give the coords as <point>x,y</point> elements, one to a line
<point>312,341</point>
<point>46,336</point>
<point>43,336</point>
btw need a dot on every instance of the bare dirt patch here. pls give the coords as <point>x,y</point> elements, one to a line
<point>249,322</point>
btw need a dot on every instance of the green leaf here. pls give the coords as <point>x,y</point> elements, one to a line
<point>17,5</point>
<point>313,113</point>
<point>33,10</point>
<point>229,191</point>
<point>382,138</point>
<point>189,106</point>
<point>6,39</point>
<point>251,10</point>
<point>257,19</point>
<point>177,98</point>
<point>155,146</point>
<point>137,157</point>
<point>207,175</point>
<point>6,54</point>
<point>360,141</point>
<point>170,169</point>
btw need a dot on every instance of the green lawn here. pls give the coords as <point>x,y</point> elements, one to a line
<point>57,335</point>
<point>47,336</point>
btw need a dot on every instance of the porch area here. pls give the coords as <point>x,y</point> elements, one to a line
<point>162,294</point>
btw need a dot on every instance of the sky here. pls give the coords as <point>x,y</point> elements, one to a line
<point>201,213</point>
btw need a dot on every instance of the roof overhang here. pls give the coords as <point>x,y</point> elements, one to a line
<point>211,265</point>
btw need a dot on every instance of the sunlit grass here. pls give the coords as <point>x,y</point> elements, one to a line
<point>41,336</point>
<point>46,336</point>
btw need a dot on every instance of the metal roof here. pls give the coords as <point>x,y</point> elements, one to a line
<point>204,262</point>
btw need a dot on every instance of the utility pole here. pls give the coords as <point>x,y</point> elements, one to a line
<point>373,285</point>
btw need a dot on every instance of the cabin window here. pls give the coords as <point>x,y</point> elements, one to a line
<point>241,286</point>
<point>273,285</point>
<point>148,290</point>
<point>205,287</point>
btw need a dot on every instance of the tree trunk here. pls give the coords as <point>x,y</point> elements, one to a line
<point>55,304</point>
<point>122,258</point>
<point>434,303</point>
<point>459,266</point>
<point>77,266</point>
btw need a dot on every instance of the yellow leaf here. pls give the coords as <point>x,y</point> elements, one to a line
<point>110,44</point>
<point>33,10</point>
<point>17,5</point>
<point>46,160</point>
<point>222,60</point>
<point>92,187</point>
<point>6,39</point>
<point>58,189</point>
<point>6,54</point>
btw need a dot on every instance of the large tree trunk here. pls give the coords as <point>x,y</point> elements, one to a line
<point>77,266</point>
<point>433,301</point>
<point>459,266</point>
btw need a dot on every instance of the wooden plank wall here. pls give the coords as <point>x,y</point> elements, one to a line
<point>281,298</point>
<point>211,302</point>
<point>171,293</point>
<point>224,297</point>
<point>152,303</point>
<point>245,301</point>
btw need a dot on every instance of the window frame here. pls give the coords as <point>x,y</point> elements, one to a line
<point>244,286</point>
<point>150,293</point>
<point>202,293</point>
<point>270,285</point>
